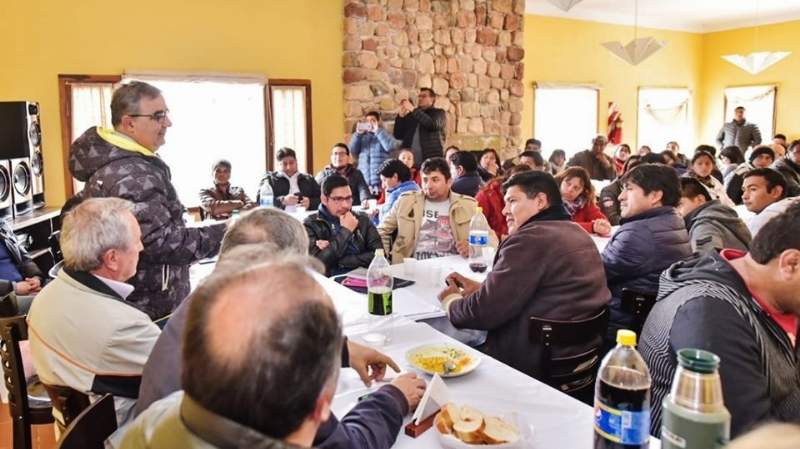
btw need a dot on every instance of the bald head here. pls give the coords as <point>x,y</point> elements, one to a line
<point>250,334</point>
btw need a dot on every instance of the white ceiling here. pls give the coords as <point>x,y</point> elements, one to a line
<point>698,16</point>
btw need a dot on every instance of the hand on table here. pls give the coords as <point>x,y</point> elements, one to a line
<point>290,200</point>
<point>412,388</point>
<point>463,248</point>
<point>322,244</point>
<point>457,283</point>
<point>601,227</point>
<point>305,202</point>
<point>369,363</point>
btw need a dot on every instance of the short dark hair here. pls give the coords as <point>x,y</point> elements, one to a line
<point>451,147</point>
<point>733,153</point>
<point>126,98</point>
<point>780,136</point>
<point>375,114</point>
<point>692,188</point>
<point>303,341</point>
<point>794,143</point>
<point>333,181</point>
<point>428,90</point>
<point>778,235</point>
<point>285,152</point>
<point>773,177</point>
<point>556,153</point>
<point>632,162</point>
<point>707,148</point>
<point>494,152</point>
<point>465,160</point>
<point>701,154</point>
<point>761,149</point>
<point>656,177</point>
<point>391,167</point>
<point>654,158</point>
<point>341,145</point>
<point>739,108</point>
<point>536,142</point>
<point>436,164</point>
<point>535,182</point>
<point>538,160</point>
<point>222,163</point>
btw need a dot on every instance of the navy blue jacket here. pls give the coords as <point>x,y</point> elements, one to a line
<point>468,184</point>
<point>643,247</point>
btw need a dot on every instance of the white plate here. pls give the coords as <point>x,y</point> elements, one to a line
<point>443,350</point>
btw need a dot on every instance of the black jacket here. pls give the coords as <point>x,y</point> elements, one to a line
<point>597,169</point>
<point>27,268</point>
<point>791,172</point>
<point>280,188</point>
<point>469,184</point>
<point>609,202</point>
<point>432,123</point>
<point>355,178</point>
<point>364,240</point>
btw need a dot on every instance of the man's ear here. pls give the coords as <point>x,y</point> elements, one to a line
<point>322,408</point>
<point>656,196</point>
<point>109,259</point>
<point>789,264</point>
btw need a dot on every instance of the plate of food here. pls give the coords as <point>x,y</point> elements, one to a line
<point>463,426</point>
<point>444,360</point>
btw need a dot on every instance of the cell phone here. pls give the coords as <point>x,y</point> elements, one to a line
<point>363,126</point>
<point>298,195</point>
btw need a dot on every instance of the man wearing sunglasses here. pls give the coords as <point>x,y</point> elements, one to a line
<point>339,238</point>
<point>122,162</point>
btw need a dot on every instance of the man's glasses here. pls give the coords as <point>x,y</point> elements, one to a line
<point>342,199</point>
<point>158,116</point>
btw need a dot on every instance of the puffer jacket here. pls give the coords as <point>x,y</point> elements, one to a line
<point>637,253</point>
<point>432,125</point>
<point>743,135</point>
<point>392,195</point>
<point>791,172</point>
<point>346,250</point>
<point>713,226</point>
<point>609,202</point>
<point>113,165</point>
<point>371,150</point>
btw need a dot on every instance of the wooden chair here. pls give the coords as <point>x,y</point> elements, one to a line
<point>92,427</point>
<point>24,412</point>
<point>68,401</point>
<point>639,305</point>
<point>574,374</point>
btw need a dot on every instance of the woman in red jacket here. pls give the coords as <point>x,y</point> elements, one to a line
<point>490,199</point>
<point>578,196</point>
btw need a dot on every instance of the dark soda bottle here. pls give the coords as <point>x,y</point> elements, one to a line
<point>622,398</point>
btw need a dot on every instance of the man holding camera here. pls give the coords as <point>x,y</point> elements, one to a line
<point>423,128</point>
<point>371,145</point>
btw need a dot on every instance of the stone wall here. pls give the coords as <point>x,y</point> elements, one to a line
<point>469,51</point>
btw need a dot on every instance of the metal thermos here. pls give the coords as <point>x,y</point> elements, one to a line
<point>693,415</point>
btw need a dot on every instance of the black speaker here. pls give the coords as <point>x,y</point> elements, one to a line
<point>21,182</point>
<point>21,143</point>
<point>6,196</point>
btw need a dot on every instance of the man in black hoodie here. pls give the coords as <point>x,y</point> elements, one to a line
<point>744,307</point>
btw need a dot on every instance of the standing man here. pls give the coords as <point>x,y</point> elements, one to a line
<point>599,165</point>
<point>739,132</point>
<point>423,128</point>
<point>340,165</point>
<point>122,162</point>
<point>371,147</point>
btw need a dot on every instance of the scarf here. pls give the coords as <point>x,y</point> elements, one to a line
<point>573,207</point>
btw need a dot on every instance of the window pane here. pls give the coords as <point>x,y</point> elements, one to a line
<point>211,121</point>
<point>664,117</point>
<point>759,104</point>
<point>289,120</point>
<point>91,106</point>
<point>565,118</point>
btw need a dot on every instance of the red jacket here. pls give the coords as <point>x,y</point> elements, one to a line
<point>490,199</point>
<point>588,213</point>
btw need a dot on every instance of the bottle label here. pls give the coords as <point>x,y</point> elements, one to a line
<point>621,426</point>
<point>479,238</point>
<point>379,302</point>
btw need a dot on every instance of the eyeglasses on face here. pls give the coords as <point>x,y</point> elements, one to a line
<point>342,199</point>
<point>158,116</point>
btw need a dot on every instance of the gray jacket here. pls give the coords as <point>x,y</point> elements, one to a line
<point>714,226</point>
<point>743,135</point>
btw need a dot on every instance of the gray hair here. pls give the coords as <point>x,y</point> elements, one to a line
<point>267,225</point>
<point>93,227</point>
<point>126,98</point>
<point>245,256</point>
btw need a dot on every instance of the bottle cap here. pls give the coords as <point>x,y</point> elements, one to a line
<point>626,337</point>
<point>479,209</point>
<point>379,253</point>
<point>698,360</point>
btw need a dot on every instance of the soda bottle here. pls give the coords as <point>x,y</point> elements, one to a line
<point>379,285</point>
<point>622,398</point>
<point>265,195</point>
<point>478,241</point>
<point>693,415</point>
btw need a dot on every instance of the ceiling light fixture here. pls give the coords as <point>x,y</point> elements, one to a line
<point>640,48</point>
<point>565,5</point>
<point>757,61</point>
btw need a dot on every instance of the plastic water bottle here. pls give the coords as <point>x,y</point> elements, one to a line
<point>478,242</point>
<point>265,196</point>
<point>379,285</point>
<point>693,415</point>
<point>622,398</point>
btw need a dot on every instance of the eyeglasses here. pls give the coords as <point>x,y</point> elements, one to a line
<point>342,199</point>
<point>158,116</point>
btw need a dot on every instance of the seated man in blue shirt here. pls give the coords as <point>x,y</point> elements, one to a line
<point>18,273</point>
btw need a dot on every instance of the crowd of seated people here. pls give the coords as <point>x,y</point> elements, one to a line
<point>720,282</point>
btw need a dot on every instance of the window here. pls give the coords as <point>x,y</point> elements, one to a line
<point>664,117</point>
<point>290,118</point>
<point>759,104</point>
<point>565,117</point>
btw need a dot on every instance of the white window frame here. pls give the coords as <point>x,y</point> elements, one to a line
<point>560,132</point>
<point>750,96</point>
<point>664,114</point>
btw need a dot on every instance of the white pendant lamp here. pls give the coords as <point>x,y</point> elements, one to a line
<point>637,50</point>
<point>758,61</point>
<point>565,5</point>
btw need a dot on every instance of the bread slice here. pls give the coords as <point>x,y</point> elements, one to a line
<point>470,414</point>
<point>498,431</point>
<point>468,426</point>
<point>447,415</point>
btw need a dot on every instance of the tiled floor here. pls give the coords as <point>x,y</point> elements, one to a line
<point>43,436</point>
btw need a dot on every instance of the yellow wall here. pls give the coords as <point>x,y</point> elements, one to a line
<point>719,74</point>
<point>40,39</point>
<point>563,50</point>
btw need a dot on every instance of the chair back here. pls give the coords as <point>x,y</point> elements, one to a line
<point>572,374</point>
<point>92,427</point>
<point>55,246</point>
<point>637,304</point>
<point>12,331</point>
<point>68,401</point>
<point>8,306</point>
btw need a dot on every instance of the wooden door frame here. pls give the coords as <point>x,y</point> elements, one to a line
<point>278,82</point>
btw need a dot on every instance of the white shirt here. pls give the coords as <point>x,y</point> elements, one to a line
<point>293,187</point>
<point>758,221</point>
<point>121,288</point>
